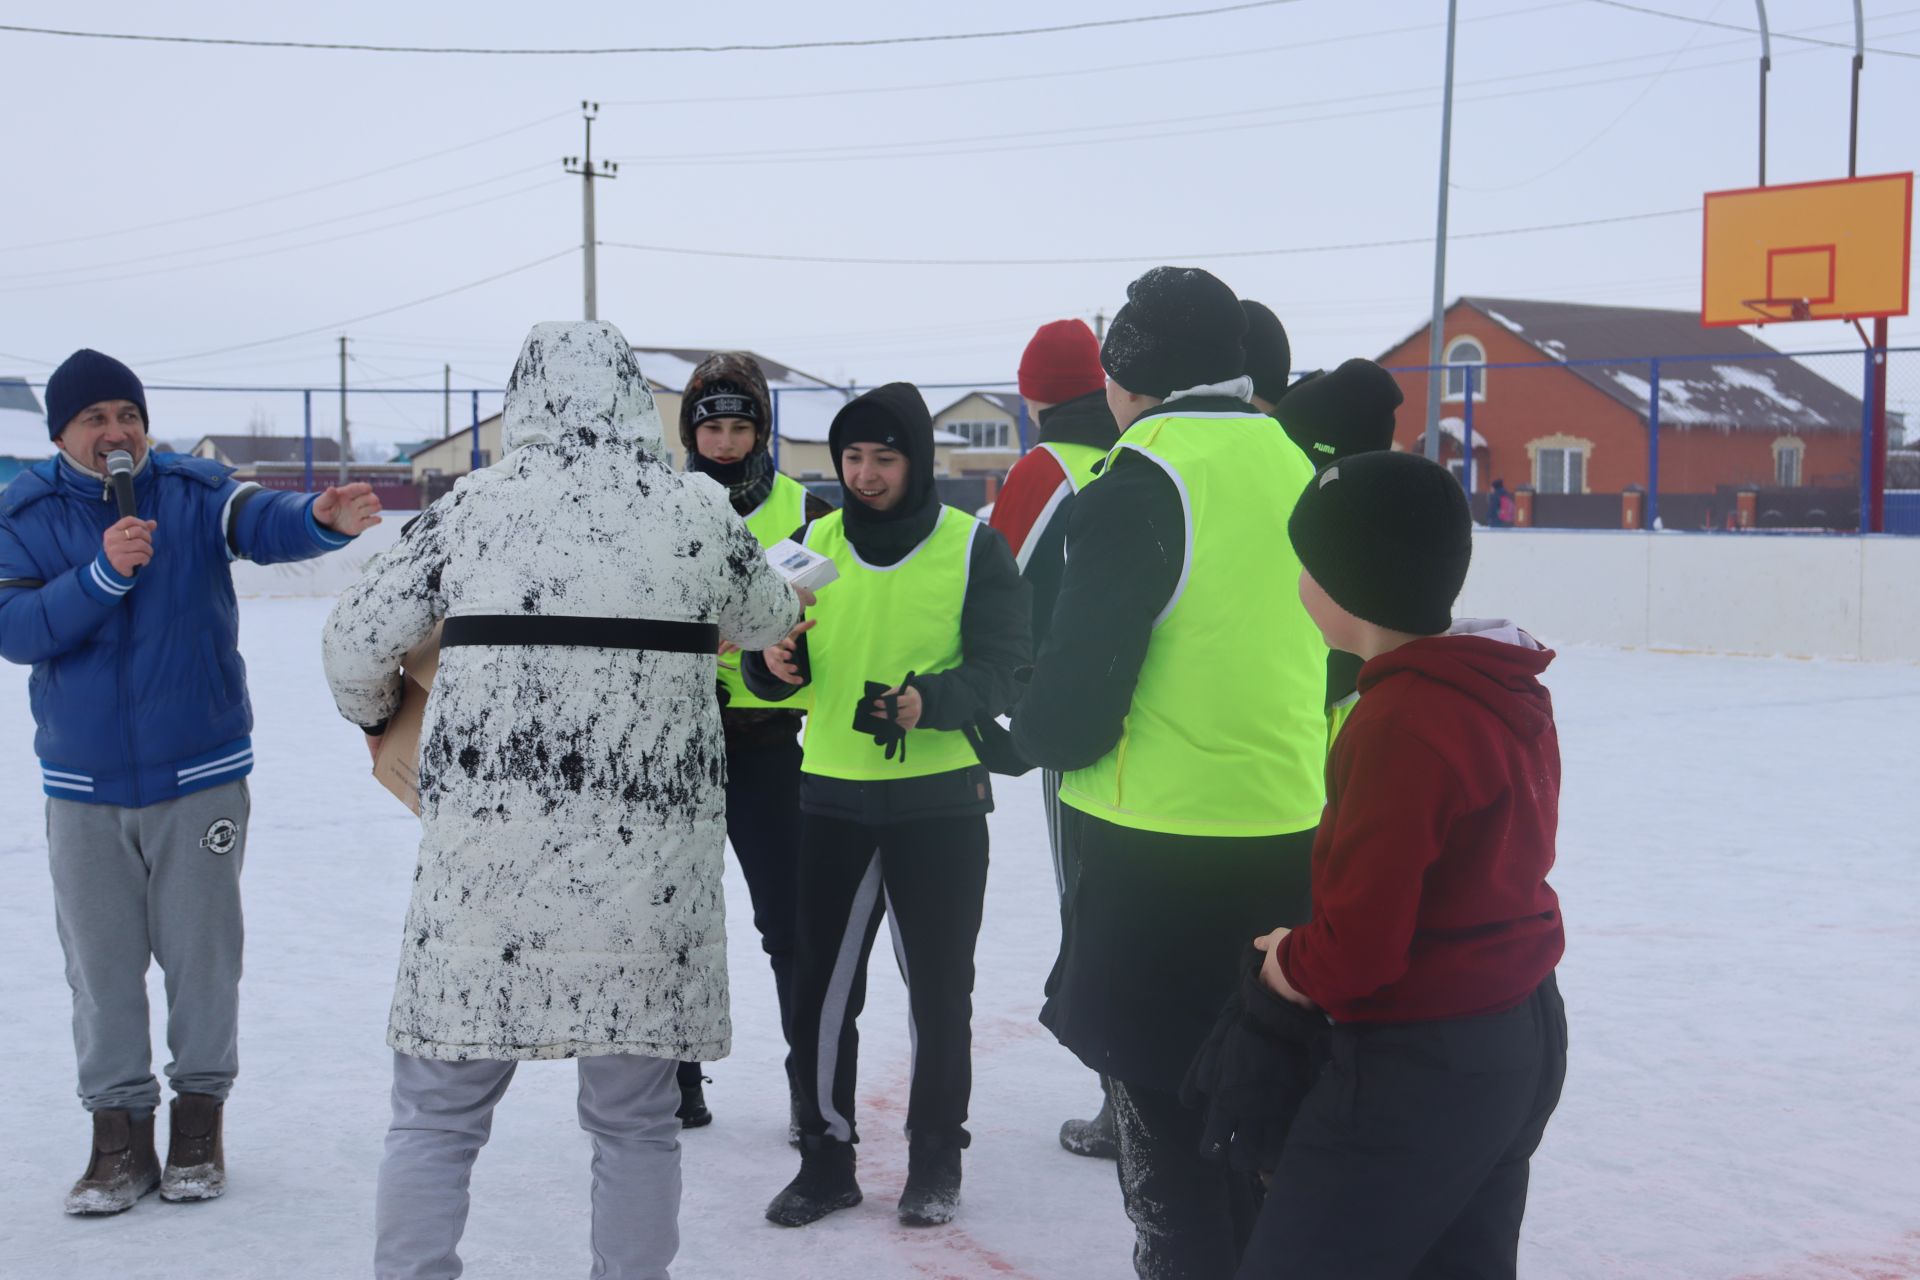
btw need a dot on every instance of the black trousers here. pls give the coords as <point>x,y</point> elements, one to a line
<point>1191,1219</point>
<point>1409,1158</point>
<point>929,878</point>
<point>763,826</point>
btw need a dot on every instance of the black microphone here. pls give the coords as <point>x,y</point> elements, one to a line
<point>120,476</point>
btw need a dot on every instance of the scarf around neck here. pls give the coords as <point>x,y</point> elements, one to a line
<point>748,481</point>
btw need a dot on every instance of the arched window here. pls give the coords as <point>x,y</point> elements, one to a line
<point>1465,351</point>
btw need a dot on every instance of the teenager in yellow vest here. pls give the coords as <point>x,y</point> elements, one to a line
<point>726,430</point>
<point>1065,391</point>
<point>923,634</point>
<point>1180,692</point>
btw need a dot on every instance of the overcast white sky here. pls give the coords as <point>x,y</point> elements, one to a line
<point>1314,123</point>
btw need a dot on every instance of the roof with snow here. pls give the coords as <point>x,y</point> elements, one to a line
<point>23,435</point>
<point>248,451</point>
<point>1008,402</point>
<point>1752,387</point>
<point>16,394</point>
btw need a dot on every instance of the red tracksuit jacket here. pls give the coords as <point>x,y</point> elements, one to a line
<point>1430,894</point>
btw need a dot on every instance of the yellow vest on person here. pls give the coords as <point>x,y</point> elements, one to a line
<point>878,623</point>
<point>1077,460</point>
<point>779,515</point>
<point>1227,732</point>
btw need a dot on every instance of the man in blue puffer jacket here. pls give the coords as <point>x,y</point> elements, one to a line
<point>140,700</point>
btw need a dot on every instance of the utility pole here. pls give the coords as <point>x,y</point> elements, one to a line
<point>346,441</point>
<point>1100,325</point>
<point>446,396</point>
<point>583,166</point>
<point>1436,345</point>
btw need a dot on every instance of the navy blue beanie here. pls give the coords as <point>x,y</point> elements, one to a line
<point>86,378</point>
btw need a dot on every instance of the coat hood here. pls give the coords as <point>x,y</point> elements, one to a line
<point>744,374</point>
<point>1493,662</point>
<point>576,385</point>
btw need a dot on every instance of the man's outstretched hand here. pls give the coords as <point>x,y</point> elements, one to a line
<point>349,509</point>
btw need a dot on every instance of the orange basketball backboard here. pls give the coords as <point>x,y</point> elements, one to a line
<point>1836,250</point>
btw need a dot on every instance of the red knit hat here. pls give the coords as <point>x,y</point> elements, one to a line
<point>1061,363</point>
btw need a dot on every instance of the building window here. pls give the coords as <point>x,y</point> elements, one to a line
<point>1560,471</point>
<point>1789,459</point>
<point>1461,352</point>
<point>984,435</point>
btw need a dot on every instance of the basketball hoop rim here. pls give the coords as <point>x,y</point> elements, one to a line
<point>1797,309</point>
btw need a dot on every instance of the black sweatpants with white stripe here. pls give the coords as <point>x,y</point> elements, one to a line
<point>927,878</point>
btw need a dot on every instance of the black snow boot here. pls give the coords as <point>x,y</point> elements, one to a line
<point>932,1195</point>
<point>196,1154</point>
<point>122,1167</point>
<point>825,1184</point>
<point>693,1113</point>
<point>1092,1138</point>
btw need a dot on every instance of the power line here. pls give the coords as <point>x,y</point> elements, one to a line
<point>1752,31</point>
<point>333,325</point>
<point>931,85</point>
<point>1141,257</point>
<point>780,47</point>
<point>283,231</point>
<point>287,195</point>
<point>285,248</point>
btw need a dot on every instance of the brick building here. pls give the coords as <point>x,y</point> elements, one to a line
<point>1736,413</point>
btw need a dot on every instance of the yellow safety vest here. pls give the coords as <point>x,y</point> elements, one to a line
<point>879,623</point>
<point>1077,460</point>
<point>1227,732</point>
<point>779,515</point>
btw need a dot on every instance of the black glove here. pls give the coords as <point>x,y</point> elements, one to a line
<point>883,725</point>
<point>1251,1075</point>
<point>993,743</point>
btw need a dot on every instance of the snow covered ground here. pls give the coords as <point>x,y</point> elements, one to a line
<point>1740,866</point>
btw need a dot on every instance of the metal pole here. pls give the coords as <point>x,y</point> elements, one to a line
<point>1023,426</point>
<point>1766,65</point>
<point>1867,397</point>
<point>774,430</point>
<point>1652,514</point>
<point>1437,339</point>
<point>1853,118</point>
<point>1466,446</point>
<point>306,481</point>
<point>346,443</point>
<point>1100,326</point>
<point>474,460</point>
<point>584,167</point>
<point>446,396</point>
<point>1877,469</point>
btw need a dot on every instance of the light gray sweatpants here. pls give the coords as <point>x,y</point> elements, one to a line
<point>131,886</point>
<point>443,1115</point>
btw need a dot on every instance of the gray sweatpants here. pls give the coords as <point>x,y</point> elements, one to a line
<point>443,1115</point>
<point>131,886</point>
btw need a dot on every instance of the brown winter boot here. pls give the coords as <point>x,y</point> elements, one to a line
<point>196,1159</point>
<point>122,1168</point>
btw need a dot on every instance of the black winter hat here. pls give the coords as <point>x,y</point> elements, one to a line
<point>1336,415</point>
<point>86,378</point>
<point>1388,537</point>
<point>1181,327</point>
<point>1269,354</point>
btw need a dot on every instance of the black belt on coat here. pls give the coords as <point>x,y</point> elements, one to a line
<point>590,633</point>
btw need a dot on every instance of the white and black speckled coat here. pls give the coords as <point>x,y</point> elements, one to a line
<point>567,900</point>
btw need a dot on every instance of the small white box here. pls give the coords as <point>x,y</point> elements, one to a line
<point>801,567</point>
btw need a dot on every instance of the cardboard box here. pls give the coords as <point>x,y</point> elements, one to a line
<point>397,766</point>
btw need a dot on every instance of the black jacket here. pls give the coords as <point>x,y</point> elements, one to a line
<point>1127,542</point>
<point>1084,420</point>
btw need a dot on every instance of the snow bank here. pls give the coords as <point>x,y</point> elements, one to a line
<point>1834,597</point>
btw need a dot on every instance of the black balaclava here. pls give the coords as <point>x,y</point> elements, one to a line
<point>895,416</point>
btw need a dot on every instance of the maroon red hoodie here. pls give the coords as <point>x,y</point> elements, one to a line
<point>1430,894</point>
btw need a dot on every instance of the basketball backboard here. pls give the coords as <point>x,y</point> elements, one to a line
<point>1837,250</point>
